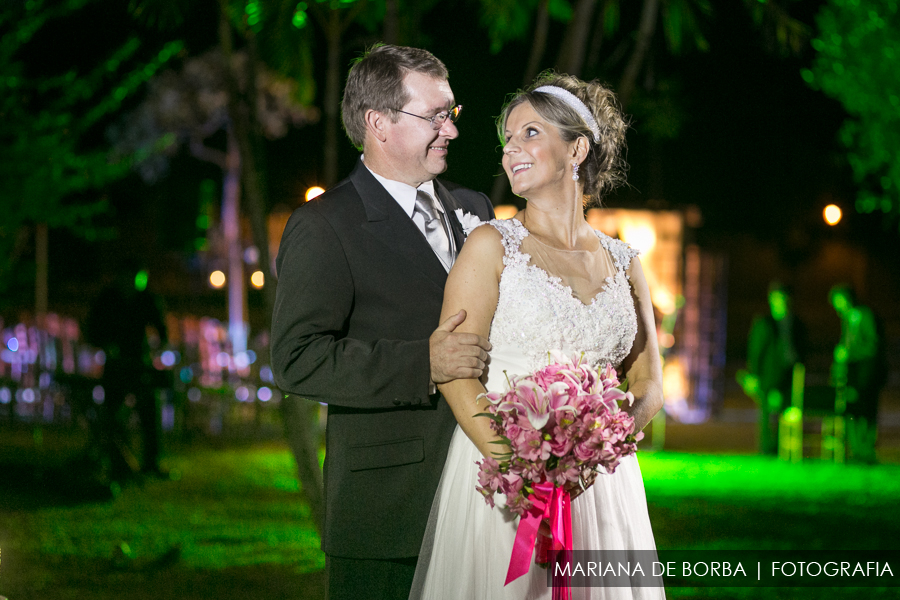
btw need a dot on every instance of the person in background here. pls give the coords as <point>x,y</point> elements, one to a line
<point>859,370</point>
<point>126,322</point>
<point>774,346</point>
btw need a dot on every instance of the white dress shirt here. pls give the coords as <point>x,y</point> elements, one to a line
<point>405,195</point>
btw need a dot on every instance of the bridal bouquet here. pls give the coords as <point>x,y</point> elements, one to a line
<point>559,424</point>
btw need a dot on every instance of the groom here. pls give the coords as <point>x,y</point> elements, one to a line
<point>361,273</point>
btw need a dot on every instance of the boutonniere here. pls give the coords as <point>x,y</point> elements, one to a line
<point>467,220</point>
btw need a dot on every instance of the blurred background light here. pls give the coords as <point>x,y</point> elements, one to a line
<point>140,280</point>
<point>832,214</point>
<point>258,279</point>
<point>251,255</point>
<point>505,211</point>
<point>217,279</point>
<point>313,192</point>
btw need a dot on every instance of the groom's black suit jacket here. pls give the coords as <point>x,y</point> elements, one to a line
<point>359,294</point>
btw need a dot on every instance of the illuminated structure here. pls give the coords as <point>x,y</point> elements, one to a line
<point>688,289</point>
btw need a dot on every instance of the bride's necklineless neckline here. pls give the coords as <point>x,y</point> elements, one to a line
<point>537,239</point>
<point>610,281</point>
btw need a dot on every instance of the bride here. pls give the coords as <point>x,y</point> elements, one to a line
<point>545,280</point>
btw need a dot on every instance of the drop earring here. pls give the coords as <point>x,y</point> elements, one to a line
<point>574,171</point>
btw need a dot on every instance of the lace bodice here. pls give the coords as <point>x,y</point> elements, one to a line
<point>536,312</point>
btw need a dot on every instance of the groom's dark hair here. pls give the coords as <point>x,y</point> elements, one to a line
<point>375,82</point>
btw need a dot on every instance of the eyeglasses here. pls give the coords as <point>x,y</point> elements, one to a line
<point>438,120</point>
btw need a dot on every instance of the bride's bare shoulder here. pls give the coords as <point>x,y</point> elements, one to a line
<point>483,249</point>
<point>485,237</point>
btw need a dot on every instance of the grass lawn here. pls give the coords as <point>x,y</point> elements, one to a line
<point>232,525</point>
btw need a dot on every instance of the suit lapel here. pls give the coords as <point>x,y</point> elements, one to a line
<point>387,223</point>
<point>451,203</point>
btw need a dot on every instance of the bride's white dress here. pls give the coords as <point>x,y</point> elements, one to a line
<point>466,551</point>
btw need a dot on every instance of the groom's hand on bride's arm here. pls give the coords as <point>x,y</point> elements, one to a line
<point>456,355</point>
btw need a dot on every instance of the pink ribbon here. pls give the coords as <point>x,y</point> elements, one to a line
<point>554,504</point>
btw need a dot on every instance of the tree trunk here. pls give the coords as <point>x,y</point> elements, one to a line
<point>42,262</point>
<point>539,45</point>
<point>254,181</point>
<point>332,96</point>
<point>574,45</point>
<point>231,230</point>
<point>298,427</point>
<point>500,188</point>
<point>391,22</point>
<point>300,415</point>
<point>649,14</point>
<point>593,55</point>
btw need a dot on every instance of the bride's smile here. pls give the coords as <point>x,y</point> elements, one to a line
<point>535,157</point>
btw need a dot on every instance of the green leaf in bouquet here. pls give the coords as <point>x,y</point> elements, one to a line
<point>492,417</point>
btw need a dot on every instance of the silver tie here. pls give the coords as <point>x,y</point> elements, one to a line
<point>434,228</point>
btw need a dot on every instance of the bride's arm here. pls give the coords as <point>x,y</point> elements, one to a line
<point>473,285</point>
<point>643,366</point>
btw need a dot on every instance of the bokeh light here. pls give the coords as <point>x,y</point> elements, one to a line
<point>140,280</point>
<point>168,358</point>
<point>506,211</point>
<point>832,214</point>
<point>313,192</point>
<point>217,279</point>
<point>258,279</point>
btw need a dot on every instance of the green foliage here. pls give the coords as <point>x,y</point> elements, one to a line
<point>680,19</point>
<point>508,20</point>
<point>47,169</point>
<point>660,113</point>
<point>781,33</point>
<point>857,54</point>
<point>286,46</point>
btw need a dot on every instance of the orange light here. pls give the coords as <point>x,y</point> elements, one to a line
<point>217,279</point>
<point>505,211</point>
<point>666,340</point>
<point>832,214</point>
<point>258,279</point>
<point>313,192</point>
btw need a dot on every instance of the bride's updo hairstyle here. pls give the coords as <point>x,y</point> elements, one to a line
<point>604,168</point>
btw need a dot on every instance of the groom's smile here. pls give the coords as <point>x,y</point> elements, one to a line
<point>417,150</point>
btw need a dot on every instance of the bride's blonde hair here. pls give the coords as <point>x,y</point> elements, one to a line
<point>604,168</point>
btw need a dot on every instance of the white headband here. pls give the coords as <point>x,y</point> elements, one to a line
<point>575,104</point>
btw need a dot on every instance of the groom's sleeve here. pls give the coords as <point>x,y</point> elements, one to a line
<point>311,356</point>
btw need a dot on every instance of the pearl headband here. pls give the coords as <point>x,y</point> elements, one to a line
<point>575,104</point>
